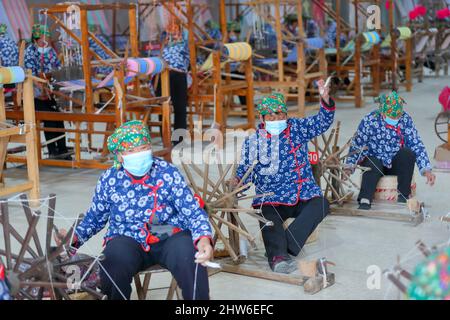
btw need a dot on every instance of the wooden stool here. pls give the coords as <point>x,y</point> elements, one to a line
<point>142,288</point>
<point>387,188</point>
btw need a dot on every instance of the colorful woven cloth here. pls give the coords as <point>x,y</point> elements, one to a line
<point>431,279</point>
<point>392,105</point>
<point>274,103</point>
<point>129,135</point>
<point>3,28</point>
<point>39,30</point>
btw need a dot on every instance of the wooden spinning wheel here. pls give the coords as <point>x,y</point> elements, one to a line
<point>38,270</point>
<point>221,204</point>
<point>331,167</point>
<point>442,126</point>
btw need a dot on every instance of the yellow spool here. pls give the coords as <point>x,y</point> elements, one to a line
<point>239,51</point>
<point>405,33</point>
<point>208,64</point>
<point>5,76</point>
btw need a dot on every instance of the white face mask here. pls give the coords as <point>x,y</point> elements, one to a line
<point>276,127</point>
<point>43,50</point>
<point>139,163</point>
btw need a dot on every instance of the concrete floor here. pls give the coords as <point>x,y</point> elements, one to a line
<point>353,244</point>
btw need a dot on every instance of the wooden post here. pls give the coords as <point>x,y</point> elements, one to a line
<point>358,61</point>
<point>279,41</point>
<point>301,64</point>
<point>4,140</point>
<point>89,99</point>
<point>338,39</point>
<point>223,21</point>
<point>166,128</point>
<point>30,139</point>
<point>394,61</point>
<point>250,93</point>
<point>192,56</point>
<point>408,64</point>
<point>134,44</point>
<point>218,94</point>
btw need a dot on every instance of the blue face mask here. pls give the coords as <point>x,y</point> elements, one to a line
<point>390,121</point>
<point>43,50</point>
<point>138,164</point>
<point>276,127</point>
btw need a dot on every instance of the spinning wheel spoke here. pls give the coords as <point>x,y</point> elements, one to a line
<point>29,215</point>
<point>6,233</point>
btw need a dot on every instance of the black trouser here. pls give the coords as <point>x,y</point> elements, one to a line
<point>307,214</point>
<point>402,167</point>
<point>179,96</point>
<point>59,146</point>
<point>124,258</point>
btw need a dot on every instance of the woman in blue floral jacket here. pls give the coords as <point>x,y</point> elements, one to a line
<point>387,142</point>
<point>279,152</point>
<point>153,219</point>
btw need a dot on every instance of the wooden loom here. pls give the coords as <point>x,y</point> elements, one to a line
<point>293,79</point>
<point>398,57</point>
<point>212,90</point>
<point>361,60</point>
<point>23,133</point>
<point>134,104</point>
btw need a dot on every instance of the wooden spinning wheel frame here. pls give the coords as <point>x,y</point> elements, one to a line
<point>442,126</point>
<point>37,269</point>
<point>221,204</point>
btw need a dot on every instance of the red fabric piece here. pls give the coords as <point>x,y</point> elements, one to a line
<point>200,201</point>
<point>444,98</point>
<point>2,272</point>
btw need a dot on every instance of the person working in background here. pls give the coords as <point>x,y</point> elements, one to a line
<point>42,59</point>
<point>387,142</point>
<point>176,54</point>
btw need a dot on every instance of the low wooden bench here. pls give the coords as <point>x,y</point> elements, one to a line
<point>142,287</point>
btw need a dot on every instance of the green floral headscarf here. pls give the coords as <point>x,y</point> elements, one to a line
<point>3,28</point>
<point>129,135</point>
<point>292,17</point>
<point>92,28</point>
<point>274,103</point>
<point>234,26</point>
<point>391,105</point>
<point>431,278</point>
<point>39,30</point>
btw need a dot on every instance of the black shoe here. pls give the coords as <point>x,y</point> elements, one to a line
<point>364,206</point>
<point>401,199</point>
<point>282,264</point>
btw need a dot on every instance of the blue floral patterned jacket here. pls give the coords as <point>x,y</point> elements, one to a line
<point>148,210</point>
<point>9,52</point>
<point>177,55</point>
<point>282,166</point>
<point>39,62</point>
<point>383,141</point>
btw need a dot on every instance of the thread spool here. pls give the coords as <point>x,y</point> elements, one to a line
<point>158,63</point>
<point>372,37</point>
<point>132,67</point>
<point>315,43</point>
<point>403,33</point>
<point>11,75</point>
<point>239,51</point>
<point>387,188</point>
